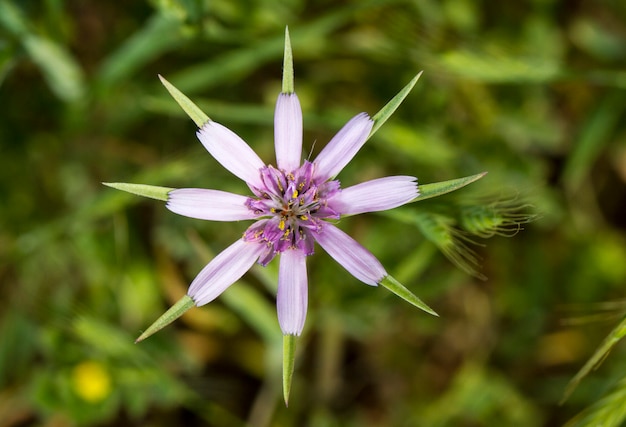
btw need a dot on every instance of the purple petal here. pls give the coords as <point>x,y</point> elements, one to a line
<point>212,205</point>
<point>288,132</point>
<point>224,270</point>
<point>375,195</point>
<point>291,300</point>
<point>343,147</point>
<point>350,254</point>
<point>231,152</point>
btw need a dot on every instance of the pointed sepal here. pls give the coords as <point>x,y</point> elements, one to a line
<point>288,85</point>
<point>289,356</point>
<point>151,191</point>
<point>400,290</point>
<point>386,112</point>
<point>193,111</point>
<point>175,311</point>
<point>428,191</point>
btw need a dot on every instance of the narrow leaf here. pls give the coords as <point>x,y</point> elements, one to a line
<point>151,191</point>
<point>428,191</point>
<point>386,112</point>
<point>500,67</point>
<point>594,136</point>
<point>594,361</point>
<point>236,64</point>
<point>397,288</point>
<point>192,110</point>
<point>608,411</point>
<point>289,356</point>
<point>60,69</point>
<point>288,86</point>
<point>160,34</point>
<point>12,19</point>
<point>175,311</point>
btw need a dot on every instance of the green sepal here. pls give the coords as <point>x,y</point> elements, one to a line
<point>386,112</point>
<point>400,290</point>
<point>428,191</point>
<point>151,191</point>
<point>192,110</point>
<point>288,86</point>
<point>175,311</point>
<point>289,356</point>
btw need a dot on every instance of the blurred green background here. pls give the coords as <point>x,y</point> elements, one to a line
<point>531,91</point>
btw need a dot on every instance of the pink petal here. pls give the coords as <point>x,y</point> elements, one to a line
<point>288,132</point>
<point>231,152</point>
<point>350,254</point>
<point>343,147</point>
<point>224,270</point>
<point>375,195</point>
<point>291,300</point>
<point>212,205</point>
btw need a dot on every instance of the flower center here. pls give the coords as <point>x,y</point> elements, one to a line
<point>292,206</point>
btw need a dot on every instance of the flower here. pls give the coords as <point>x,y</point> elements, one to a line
<point>292,204</point>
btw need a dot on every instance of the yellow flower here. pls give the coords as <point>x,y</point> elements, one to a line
<point>91,381</point>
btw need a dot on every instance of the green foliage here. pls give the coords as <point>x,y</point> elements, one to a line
<point>598,356</point>
<point>483,395</point>
<point>608,411</point>
<point>440,230</point>
<point>61,71</point>
<point>533,94</point>
<point>488,217</point>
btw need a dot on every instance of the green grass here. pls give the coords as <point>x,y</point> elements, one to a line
<point>525,267</point>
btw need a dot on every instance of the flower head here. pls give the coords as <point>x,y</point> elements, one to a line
<point>291,203</point>
<point>293,206</point>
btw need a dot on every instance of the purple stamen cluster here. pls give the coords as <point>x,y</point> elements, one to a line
<point>294,205</point>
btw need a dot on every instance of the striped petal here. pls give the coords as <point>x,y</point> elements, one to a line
<point>232,152</point>
<point>288,132</point>
<point>224,270</point>
<point>212,205</point>
<point>343,147</point>
<point>291,299</point>
<point>350,254</point>
<point>375,195</point>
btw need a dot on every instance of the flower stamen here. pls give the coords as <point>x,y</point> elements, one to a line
<point>291,202</point>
